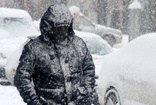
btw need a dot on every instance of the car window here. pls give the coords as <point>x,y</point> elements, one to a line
<point>97,46</point>
<point>17,26</point>
<point>85,22</point>
<point>13,21</point>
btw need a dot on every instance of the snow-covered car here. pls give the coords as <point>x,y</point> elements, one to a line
<point>129,75</point>
<point>96,45</point>
<point>15,26</point>
<point>82,23</point>
<point>111,35</point>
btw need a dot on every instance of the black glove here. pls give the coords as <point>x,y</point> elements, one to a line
<point>84,97</point>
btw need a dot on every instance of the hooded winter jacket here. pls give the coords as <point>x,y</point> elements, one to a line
<point>62,73</point>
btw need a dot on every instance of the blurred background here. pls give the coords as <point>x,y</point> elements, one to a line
<point>111,13</point>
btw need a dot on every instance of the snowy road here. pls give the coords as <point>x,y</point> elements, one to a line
<point>10,96</point>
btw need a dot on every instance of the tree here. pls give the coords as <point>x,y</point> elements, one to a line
<point>101,9</point>
<point>153,14</point>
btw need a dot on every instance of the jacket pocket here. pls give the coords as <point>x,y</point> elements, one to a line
<point>53,95</point>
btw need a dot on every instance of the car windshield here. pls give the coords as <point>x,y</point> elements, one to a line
<point>85,22</point>
<point>17,26</point>
<point>97,46</point>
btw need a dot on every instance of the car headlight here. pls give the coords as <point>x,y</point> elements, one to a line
<point>2,56</point>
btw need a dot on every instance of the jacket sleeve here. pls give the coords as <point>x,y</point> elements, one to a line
<point>88,69</point>
<point>22,79</point>
<point>88,72</point>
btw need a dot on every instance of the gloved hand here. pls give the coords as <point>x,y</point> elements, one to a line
<point>84,99</point>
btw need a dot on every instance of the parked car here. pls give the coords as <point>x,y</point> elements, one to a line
<point>15,26</point>
<point>130,73</point>
<point>111,35</point>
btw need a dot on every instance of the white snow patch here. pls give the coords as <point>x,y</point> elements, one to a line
<point>4,34</point>
<point>135,5</point>
<point>7,12</point>
<point>138,58</point>
<point>127,102</point>
<point>10,96</point>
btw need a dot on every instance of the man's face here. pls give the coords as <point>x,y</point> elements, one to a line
<point>58,34</point>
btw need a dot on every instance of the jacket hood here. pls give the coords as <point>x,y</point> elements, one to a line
<point>57,15</point>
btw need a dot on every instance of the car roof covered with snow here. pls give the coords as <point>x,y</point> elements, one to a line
<point>135,61</point>
<point>10,12</point>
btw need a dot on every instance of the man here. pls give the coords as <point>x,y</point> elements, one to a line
<point>58,62</point>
